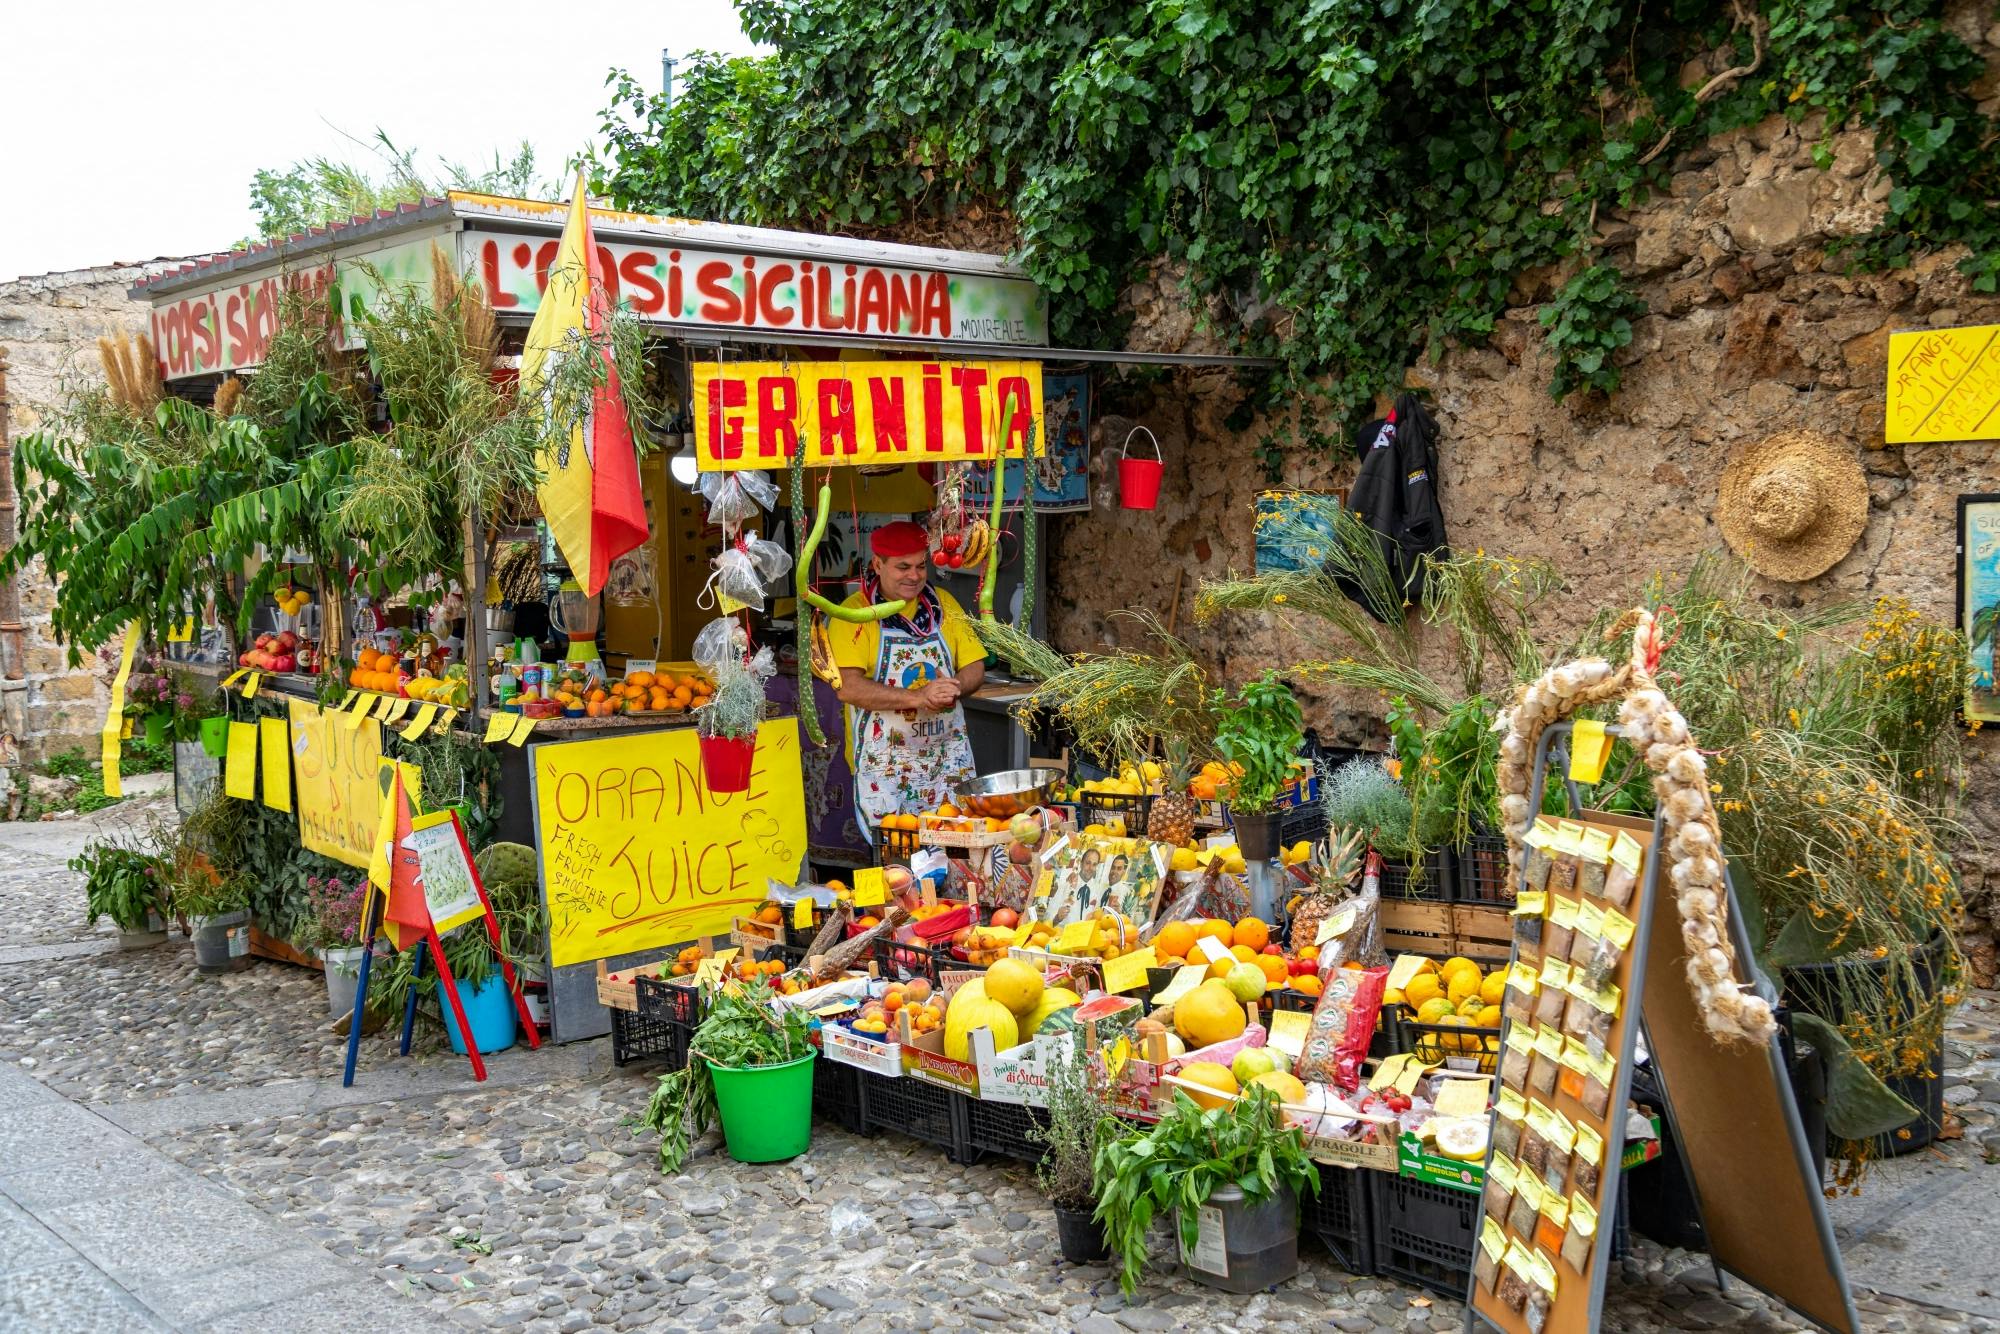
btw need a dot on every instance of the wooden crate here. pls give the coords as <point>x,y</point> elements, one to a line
<point>1413,926</point>
<point>1484,932</point>
<point>615,990</point>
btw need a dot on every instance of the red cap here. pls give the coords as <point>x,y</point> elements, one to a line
<point>901,538</point>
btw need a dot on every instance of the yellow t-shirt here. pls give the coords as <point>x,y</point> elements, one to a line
<point>857,646</point>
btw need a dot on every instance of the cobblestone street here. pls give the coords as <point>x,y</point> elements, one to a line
<point>206,1116</point>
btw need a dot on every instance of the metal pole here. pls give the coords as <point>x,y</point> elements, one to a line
<point>666,76</point>
<point>13,655</point>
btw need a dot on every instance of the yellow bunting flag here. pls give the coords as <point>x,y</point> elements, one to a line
<point>276,750</point>
<point>239,776</point>
<point>114,721</point>
<point>425,716</point>
<point>524,727</point>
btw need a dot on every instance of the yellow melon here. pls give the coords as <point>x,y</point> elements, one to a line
<point>1015,985</point>
<point>1287,1087</point>
<point>1213,1076</point>
<point>1208,1014</point>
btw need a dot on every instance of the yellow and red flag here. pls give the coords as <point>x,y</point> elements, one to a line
<point>590,490</point>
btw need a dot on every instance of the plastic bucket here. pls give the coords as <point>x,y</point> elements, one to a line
<point>726,761</point>
<point>766,1109</point>
<point>343,972</point>
<point>1139,479</point>
<point>215,736</point>
<point>1080,1236</point>
<point>221,942</point>
<point>489,1010</point>
<point>156,729</point>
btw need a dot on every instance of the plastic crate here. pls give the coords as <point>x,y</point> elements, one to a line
<point>1099,807</point>
<point>1002,1128</point>
<point>1424,1233</point>
<point>1464,1047</point>
<point>1306,822</point>
<point>895,845</point>
<point>904,963</point>
<point>837,1095</point>
<point>638,1037</point>
<point>917,1108</point>
<point>1479,871</point>
<point>667,1002</point>
<point>1342,1216</point>
<point>1429,879</point>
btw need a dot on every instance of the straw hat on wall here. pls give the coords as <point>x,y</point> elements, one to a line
<point>1793,504</point>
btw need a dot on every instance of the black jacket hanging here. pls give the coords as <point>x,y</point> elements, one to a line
<point>1395,494</point>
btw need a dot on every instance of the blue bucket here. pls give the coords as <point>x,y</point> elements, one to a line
<point>489,1008</point>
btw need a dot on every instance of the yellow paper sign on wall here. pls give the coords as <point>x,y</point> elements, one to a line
<point>1944,384</point>
<point>333,781</point>
<point>637,853</point>
<point>275,750</point>
<point>752,414</point>
<point>239,775</point>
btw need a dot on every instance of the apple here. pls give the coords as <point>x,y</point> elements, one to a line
<point>1300,967</point>
<point>1251,1062</point>
<point>1274,948</point>
<point>1006,917</point>
<point>1026,830</point>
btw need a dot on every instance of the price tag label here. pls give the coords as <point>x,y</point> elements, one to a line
<point>1589,748</point>
<point>498,725</point>
<point>1213,950</point>
<point>1076,936</point>
<point>1187,979</point>
<point>1288,1031</point>
<point>1406,967</point>
<point>1389,1071</point>
<point>870,889</point>
<point>250,686</point>
<point>1127,972</point>
<point>1335,926</point>
<point>802,913</point>
<point>1462,1098</point>
<point>1045,884</point>
<point>1627,852</point>
<point>524,727</point>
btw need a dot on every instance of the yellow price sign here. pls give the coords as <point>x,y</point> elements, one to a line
<point>1127,972</point>
<point>802,913</point>
<point>870,890</point>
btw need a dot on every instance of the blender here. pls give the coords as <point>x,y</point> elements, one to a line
<point>578,615</point>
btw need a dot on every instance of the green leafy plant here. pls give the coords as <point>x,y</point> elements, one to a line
<point>1179,1163</point>
<point>1078,1122</point>
<point>123,880</point>
<point>1449,771</point>
<point>1588,322</point>
<point>1261,730</point>
<point>1360,795</point>
<point>741,1029</point>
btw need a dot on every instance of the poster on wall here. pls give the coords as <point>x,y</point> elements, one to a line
<point>1294,529</point>
<point>638,853</point>
<point>1062,474</point>
<point>1979,601</point>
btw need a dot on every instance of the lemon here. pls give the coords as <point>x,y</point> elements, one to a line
<point>1493,990</point>
<point>1423,987</point>
<point>1462,984</point>
<point>1434,1011</point>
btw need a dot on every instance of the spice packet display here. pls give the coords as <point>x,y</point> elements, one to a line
<point>1523,981</point>
<point>1561,927</point>
<point>1527,1206</point>
<point>1576,1068</point>
<point>1586,1161</point>
<point>1510,1110</point>
<point>1589,926</point>
<point>1534,1139</point>
<point>1549,1228</point>
<point>1580,1235</point>
<point>1540,839</point>
<point>1517,1269</point>
<point>1603,1014</point>
<point>1596,1096</point>
<point>1561,1135</point>
<point>1516,1056</point>
<point>1627,856</point>
<point>1555,991</point>
<point>1541,1294</point>
<point>1497,1196</point>
<point>1578,1011</point>
<point>1530,907</point>
<point>1593,862</point>
<point>1564,856</point>
<point>1614,936</point>
<point>1547,1063</point>
<point>1486,1260</point>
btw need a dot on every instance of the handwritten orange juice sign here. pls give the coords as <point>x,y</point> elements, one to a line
<point>637,853</point>
<point>1944,384</point>
<point>334,789</point>
<point>753,414</point>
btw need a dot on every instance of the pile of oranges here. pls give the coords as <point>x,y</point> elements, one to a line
<point>1248,941</point>
<point>645,692</point>
<point>376,671</point>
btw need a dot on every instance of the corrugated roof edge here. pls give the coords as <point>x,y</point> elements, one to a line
<point>610,224</point>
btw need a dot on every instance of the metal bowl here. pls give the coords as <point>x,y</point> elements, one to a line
<point>1009,792</point>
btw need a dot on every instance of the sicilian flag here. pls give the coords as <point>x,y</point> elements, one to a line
<point>590,490</point>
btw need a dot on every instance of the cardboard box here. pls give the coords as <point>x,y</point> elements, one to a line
<point>1018,1075</point>
<point>1414,1160</point>
<point>923,1053</point>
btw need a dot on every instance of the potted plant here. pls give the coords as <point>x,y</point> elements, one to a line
<point>333,932</point>
<point>218,912</point>
<point>750,1067</point>
<point>129,885</point>
<point>1261,732</point>
<point>727,727</point>
<point>1230,1174</point>
<point>1076,1123</point>
<point>475,965</point>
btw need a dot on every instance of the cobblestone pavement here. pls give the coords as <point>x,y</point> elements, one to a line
<point>531,1204</point>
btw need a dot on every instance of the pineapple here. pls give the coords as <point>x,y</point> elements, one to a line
<point>1171,820</point>
<point>1336,867</point>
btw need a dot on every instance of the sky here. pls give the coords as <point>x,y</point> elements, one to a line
<point>153,118</point>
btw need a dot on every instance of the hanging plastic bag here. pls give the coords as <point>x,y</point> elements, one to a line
<point>771,560</point>
<point>722,641</point>
<point>734,498</point>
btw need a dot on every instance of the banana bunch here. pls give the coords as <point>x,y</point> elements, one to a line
<point>967,550</point>
<point>823,665</point>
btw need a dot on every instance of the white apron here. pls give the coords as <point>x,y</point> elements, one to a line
<point>908,762</point>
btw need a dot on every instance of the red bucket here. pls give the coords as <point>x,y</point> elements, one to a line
<point>725,762</point>
<point>1139,479</point>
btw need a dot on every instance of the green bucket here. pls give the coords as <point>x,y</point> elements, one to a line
<point>156,728</point>
<point>766,1109</point>
<point>215,736</point>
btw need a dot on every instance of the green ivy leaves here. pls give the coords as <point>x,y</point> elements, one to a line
<point>1589,320</point>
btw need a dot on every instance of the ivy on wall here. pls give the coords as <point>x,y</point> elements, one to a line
<point>1346,181</point>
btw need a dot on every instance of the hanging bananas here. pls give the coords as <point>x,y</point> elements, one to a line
<point>978,540</point>
<point>823,665</point>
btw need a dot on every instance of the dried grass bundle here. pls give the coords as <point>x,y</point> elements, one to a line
<point>132,372</point>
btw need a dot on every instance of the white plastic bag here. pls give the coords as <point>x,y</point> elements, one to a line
<point>722,640</point>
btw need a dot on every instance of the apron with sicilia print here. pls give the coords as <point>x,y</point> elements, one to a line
<point>915,761</point>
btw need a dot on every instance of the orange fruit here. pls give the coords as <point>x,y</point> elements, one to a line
<point>1244,952</point>
<point>1210,1075</point>
<point>640,679</point>
<point>1252,932</point>
<point>1275,971</point>
<point>1175,939</point>
<point>1220,968</point>
<point>596,696</point>
<point>682,695</point>
<point>1218,928</point>
<point>1308,983</point>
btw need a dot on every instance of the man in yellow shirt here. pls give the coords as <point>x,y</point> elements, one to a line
<point>902,680</point>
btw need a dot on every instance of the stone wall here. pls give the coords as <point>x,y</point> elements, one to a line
<point>49,327</point>
<point>1753,328</point>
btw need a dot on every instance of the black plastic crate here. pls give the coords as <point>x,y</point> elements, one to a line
<point>904,963</point>
<point>895,845</point>
<point>668,1003</point>
<point>1429,879</point>
<point>1424,1233</point>
<point>1098,807</point>
<point>837,1095</point>
<point>1452,1045</point>
<point>1479,871</point>
<point>1306,822</point>
<point>917,1108</point>
<point>1002,1128</point>
<point>1342,1216</point>
<point>638,1037</point>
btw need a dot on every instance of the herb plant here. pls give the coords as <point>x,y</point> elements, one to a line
<point>123,881</point>
<point>1187,1157</point>
<point>1360,795</point>
<point>741,1029</point>
<point>1078,1123</point>
<point>1262,731</point>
